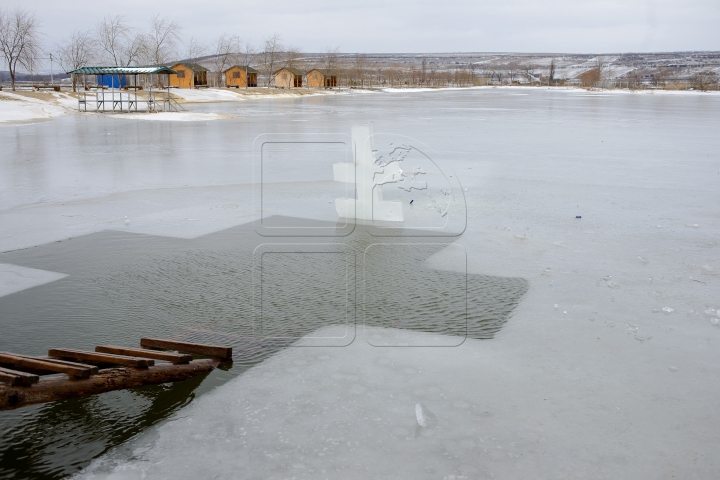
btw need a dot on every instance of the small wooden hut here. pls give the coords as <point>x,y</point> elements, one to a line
<point>317,78</point>
<point>189,75</point>
<point>288,77</point>
<point>241,76</point>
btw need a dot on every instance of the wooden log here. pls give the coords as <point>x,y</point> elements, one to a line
<point>21,362</point>
<point>15,378</point>
<point>175,358</point>
<point>93,369</point>
<point>186,347</point>
<point>50,389</point>
<point>100,357</point>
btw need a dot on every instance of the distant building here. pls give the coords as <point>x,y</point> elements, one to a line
<point>317,78</point>
<point>482,81</point>
<point>241,76</point>
<point>189,75</point>
<point>288,77</point>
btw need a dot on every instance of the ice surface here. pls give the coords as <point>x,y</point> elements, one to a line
<point>14,278</point>
<point>353,412</point>
<point>583,380</point>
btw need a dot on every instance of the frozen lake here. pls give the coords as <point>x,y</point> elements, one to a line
<point>591,344</point>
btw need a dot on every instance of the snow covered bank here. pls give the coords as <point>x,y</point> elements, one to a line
<point>173,116</point>
<point>29,107</point>
<point>594,91</point>
<point>210,95</point>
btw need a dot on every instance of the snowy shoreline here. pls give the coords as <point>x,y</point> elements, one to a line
<point>25,108</point>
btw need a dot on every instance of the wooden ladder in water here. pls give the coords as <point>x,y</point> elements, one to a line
<point>68,373</point>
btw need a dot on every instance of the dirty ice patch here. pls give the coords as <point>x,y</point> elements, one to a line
<point>174,116</point>
<point>16,109</point>
<point>14,278</point>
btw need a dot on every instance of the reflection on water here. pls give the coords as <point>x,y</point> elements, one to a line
<point>123,286</point>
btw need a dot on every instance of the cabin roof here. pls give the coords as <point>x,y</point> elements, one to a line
<point>247,68</point>
<point>324,71</point>
<point>195,67</point>
<point>122,70</point>
<point>294,71</point>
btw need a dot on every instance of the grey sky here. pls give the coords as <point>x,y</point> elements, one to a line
<point>574,26</point>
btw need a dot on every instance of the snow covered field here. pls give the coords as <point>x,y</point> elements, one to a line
<point>606,369</point>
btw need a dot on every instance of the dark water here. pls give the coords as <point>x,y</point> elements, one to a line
<point>216,289</point>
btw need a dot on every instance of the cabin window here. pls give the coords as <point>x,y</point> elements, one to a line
<point>181,74</point>
<point>236,74</point>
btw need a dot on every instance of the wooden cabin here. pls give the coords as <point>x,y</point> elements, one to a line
<point>317,78</point>
<point>288,77</point>
<point>189,75</point>
<point>241,76</point>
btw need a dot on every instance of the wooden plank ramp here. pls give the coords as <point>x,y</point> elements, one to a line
<point>69,373</point>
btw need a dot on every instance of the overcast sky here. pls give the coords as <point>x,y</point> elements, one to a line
<point>573,26</point>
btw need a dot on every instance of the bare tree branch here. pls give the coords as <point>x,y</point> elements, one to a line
<point>162,40</point>
<point>196,49</point>
<point>122,45</point>
<point>76,51</point>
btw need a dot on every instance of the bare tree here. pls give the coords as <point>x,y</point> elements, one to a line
<point>226,46</point>
<point>121,44</point>
<point>19,40</point>
<point>162,40</point>
<point>513,71</point>
<point>76,51</point>
<point>270,56</point>
<point>528,69</point>
<point>330,58</point>
<point>360,69</point>
<point>551,71</point>
<point>247,54</point>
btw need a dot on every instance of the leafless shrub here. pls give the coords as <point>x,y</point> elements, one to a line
<point>590,78</point>
<point>706,80</point>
